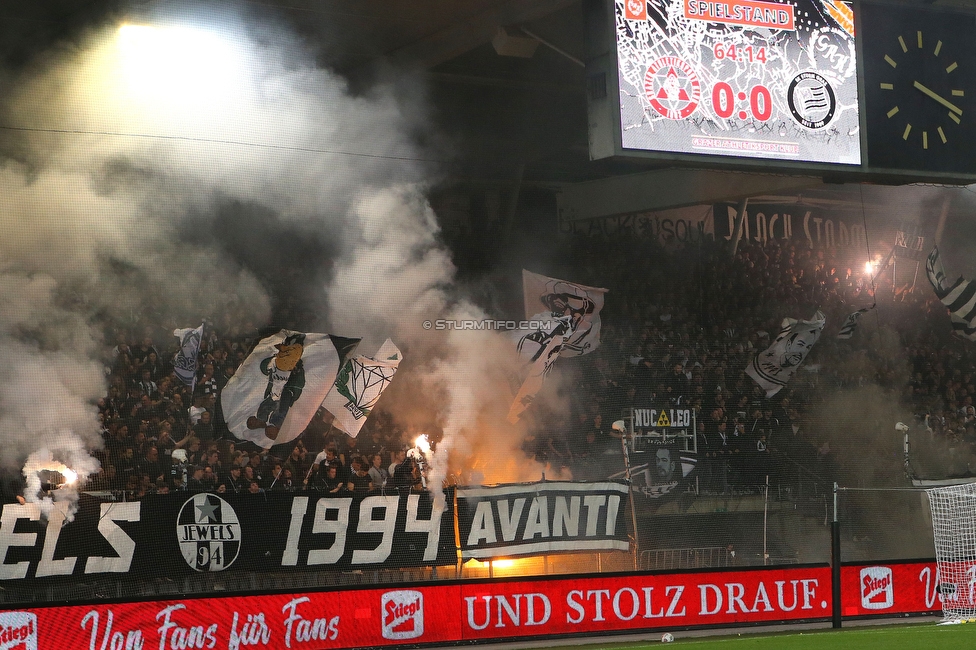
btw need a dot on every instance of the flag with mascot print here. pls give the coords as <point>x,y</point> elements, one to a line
<point>279,387</point>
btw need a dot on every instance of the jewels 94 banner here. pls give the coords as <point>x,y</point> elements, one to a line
<point>749,78</point>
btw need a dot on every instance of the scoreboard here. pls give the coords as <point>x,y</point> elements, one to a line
<point>785,85</point>
<point>756,79</point>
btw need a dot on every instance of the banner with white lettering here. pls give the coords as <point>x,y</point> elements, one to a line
<point>896,588</point>
<point>538,518</point>
<point>436,614</point>
<point>184,533</point>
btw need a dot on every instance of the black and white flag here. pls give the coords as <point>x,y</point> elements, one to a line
<point>185,360</point>
<point>568,326</point>
<point>550,298</point>
<point>850,324</point>
<point>959,297</point>
<point>775,365</point>
<point>358,387</point>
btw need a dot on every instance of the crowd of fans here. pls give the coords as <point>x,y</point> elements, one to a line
<point>678,329</point>
<point>681,325</point>
<point>163,436</point>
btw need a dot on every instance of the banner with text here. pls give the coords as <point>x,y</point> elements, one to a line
<point>533,519</point>
<point>669,228</point>
<point>170,535</point>
<point>895,588</point>
<point>438,614</point>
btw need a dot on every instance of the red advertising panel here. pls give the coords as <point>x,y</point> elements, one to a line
<point>614,603</point>
<point>892,588</point>
<point>348,619</point>
<point>436,614</point>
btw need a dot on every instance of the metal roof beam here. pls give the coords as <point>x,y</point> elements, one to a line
<point>669,188</point>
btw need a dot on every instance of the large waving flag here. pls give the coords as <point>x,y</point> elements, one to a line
<point>959,297</point>
<point>359,385</point>
<point>850,324</point>
<point>279,387</point>
<point>547,298</point>
<point>539,350</point>
<point>775,365</point>
<point>185,361</point>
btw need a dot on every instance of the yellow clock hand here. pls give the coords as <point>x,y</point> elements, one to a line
<point>945,102</point>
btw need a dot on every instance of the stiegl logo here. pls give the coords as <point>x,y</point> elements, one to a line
<point>877,587</point>
<point>403,614</point>
<point>18,631</point>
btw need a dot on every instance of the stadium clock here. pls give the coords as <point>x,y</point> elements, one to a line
<point>920,69</point>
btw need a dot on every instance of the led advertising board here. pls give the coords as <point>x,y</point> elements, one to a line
<point>763,79</point>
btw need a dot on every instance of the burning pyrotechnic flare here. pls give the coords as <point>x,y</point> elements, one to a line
<point>38,490</point>
<point>421,453</point>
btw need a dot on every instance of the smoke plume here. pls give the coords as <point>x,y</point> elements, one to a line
<point>136,160</point>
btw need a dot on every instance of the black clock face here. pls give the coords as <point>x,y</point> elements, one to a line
<point>920,89</point>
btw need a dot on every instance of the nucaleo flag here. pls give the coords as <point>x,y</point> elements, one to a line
<point>774,366</point>
<point>548,298</point>
<point>279,387</point>
<point>185,361</point>
<point>359,385</point>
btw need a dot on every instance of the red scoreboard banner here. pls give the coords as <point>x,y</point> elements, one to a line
<point>891,588</point>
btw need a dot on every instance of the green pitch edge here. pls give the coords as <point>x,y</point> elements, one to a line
<point>928,636</point>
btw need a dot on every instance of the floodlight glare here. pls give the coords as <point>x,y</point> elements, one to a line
<point>178,67</point>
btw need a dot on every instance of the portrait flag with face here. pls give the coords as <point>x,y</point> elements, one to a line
<point>359,385</point>
<point>281,384</point>
<point>547,298</point>
<point>774,366</point>
<point>185,360</point>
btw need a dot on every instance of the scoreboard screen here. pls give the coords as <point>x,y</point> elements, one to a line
<point>746,78</point>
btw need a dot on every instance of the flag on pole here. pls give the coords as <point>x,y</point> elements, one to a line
<point>774,366</point>
<point>185,361</point>
<point>279,387</point>
<point>850,324</point>
<point>547,298</point>
<point>359,385</point>
<point>959,297</point>
<point>539,350</point>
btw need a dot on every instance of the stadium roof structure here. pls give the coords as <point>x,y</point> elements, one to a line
<point>505,79</point>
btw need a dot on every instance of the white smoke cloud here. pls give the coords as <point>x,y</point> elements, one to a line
<point>124,141</point>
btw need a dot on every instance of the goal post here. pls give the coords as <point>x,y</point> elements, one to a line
<point>954,527</point>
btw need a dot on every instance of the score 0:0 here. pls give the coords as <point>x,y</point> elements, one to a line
<point>760,102</point>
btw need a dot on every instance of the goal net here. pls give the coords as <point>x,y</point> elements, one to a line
<point>954,526</point>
